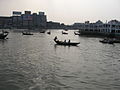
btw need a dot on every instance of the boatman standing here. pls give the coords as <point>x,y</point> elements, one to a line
<point>55,38</point>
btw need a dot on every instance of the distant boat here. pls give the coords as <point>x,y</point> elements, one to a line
<point>66,29</point>
<point>29,28</point>
<point>27,33</point>
<point>76,33</point>
<point>108,41</point>
<point>66,43</point>
<point>42,31</point>
<point>3,35</point>
<point>49,32</point>
<point>64,32</point>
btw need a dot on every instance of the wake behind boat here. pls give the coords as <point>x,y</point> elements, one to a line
<point>66,43</point>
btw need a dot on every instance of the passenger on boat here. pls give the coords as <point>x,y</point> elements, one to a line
<point>55,38</point>
<point>65,41</point>
<point>69,41</point>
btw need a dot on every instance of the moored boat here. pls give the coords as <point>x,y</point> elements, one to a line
<point>49,32</point>
<point>108,41</point>
<point>76,33</point>
<point>64,32</point>
<point>3,35</point>
<point>27,33</point>
<point>42,31</point>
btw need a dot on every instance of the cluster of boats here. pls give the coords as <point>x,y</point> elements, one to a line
<point>55,39</point>
<point>76,32</point>
<point>29,33</point>
<point>4,34</point>
<point>43,31</point>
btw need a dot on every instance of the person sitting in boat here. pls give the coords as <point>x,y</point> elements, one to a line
<point>65,41</point>
<point>69,41</point>
<point>55,38</point>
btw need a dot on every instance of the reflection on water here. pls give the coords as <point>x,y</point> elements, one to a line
<point>37,63</point>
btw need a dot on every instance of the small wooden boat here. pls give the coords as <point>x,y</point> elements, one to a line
<point>66,29</point>
<point>42,31</point>
<point>115,40</point>
<point>76,33</point>
<point>108,41</point>
<point>3,35</point>
<point>66,43</point>
<point>64,32</point>
<point>49,32</point>
<point>27,33</point>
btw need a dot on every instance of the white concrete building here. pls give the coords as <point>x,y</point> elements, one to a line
<point>101,28</point>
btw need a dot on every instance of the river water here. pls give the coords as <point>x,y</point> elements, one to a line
<point>37,63</point>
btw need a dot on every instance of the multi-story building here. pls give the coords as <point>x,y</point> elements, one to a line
<point>16,21</point>
<point>5,22</point>
<point>99,28</point>
<point>41,20</point>
<point>28,20</point>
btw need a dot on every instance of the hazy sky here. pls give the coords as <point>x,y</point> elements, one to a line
<point>66,11</point>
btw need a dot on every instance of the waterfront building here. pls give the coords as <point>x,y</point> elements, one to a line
<point>29,20</point>
<point>16,21</point>
<point>53,25</point>
<point>77,26</point>
<point>5,22</point>
<point>34,20</point>
<point>26,20</point>
<point>100,28</point>
<point>41,20</point>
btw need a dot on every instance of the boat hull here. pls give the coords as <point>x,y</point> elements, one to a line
<point>27,33</point>
<point>3,36</point>
<point>107,41</point>
<point>67,43</point>
<point>76,33</point>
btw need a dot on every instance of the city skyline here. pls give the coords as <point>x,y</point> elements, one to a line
<point>65,11</point>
